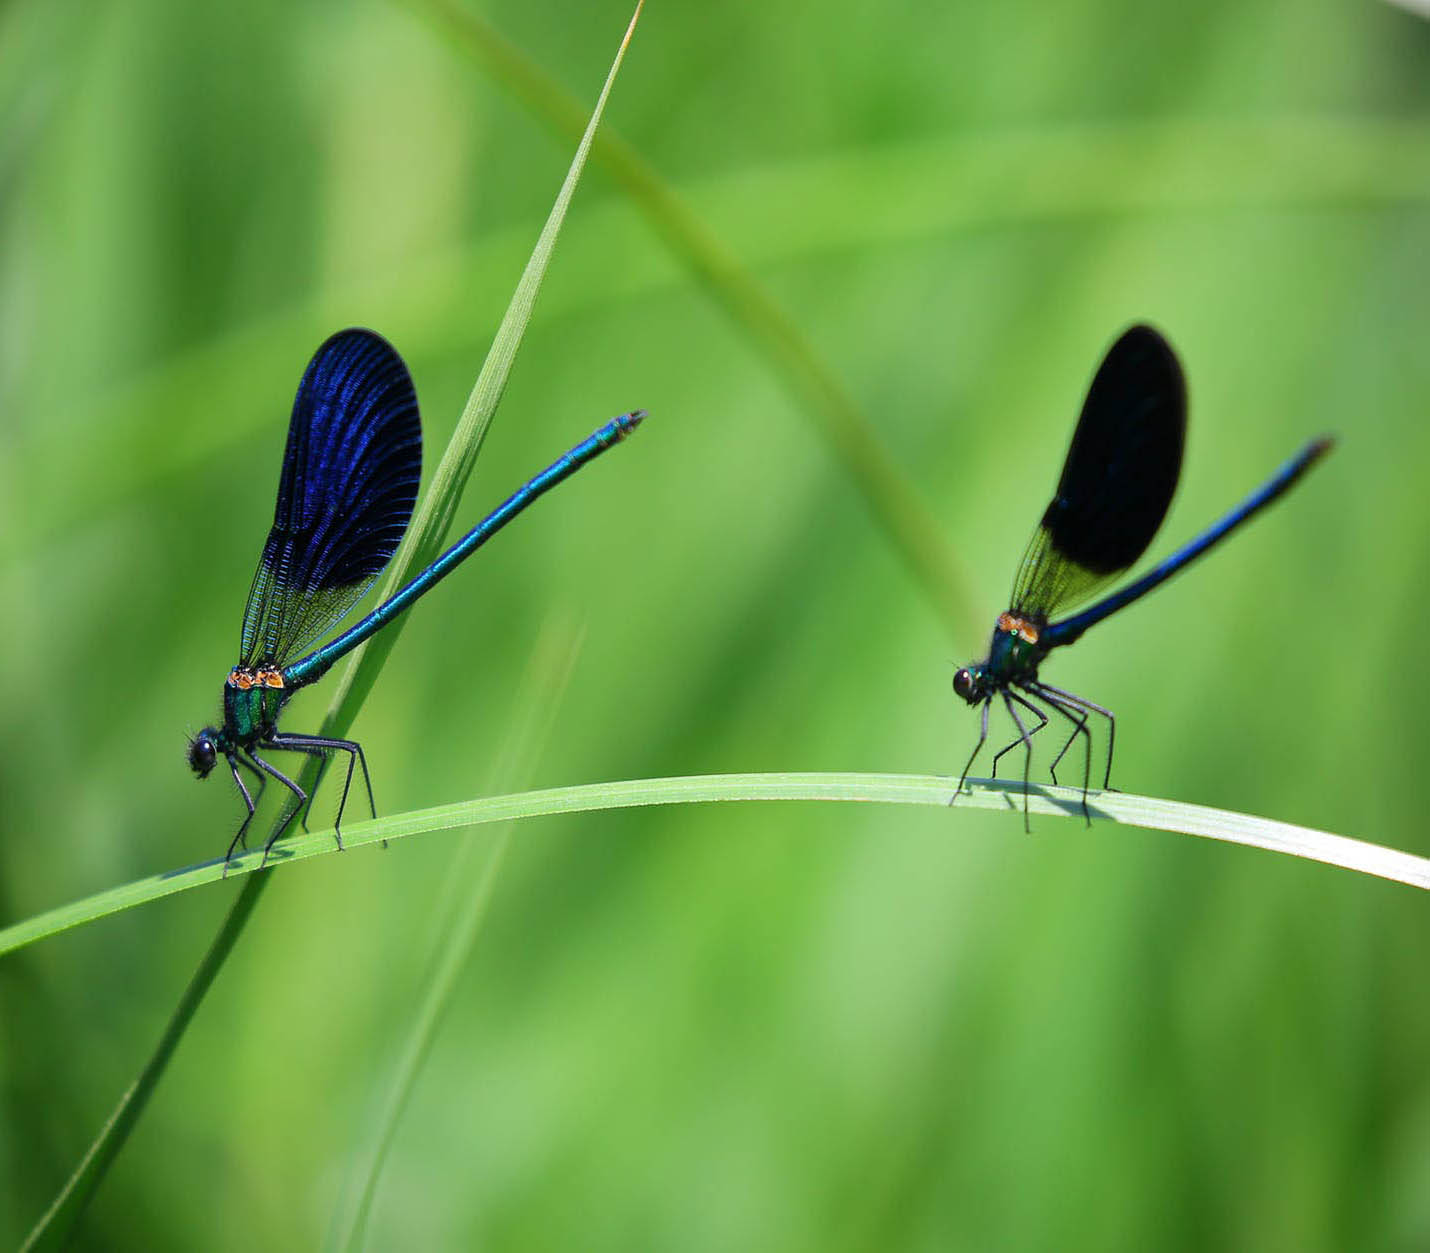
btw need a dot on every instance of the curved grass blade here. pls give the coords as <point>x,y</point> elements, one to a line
<point>54,1227</point>
<point>423,540</point>
<point>1123,808</point>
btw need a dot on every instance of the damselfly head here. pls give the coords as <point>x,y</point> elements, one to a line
<point>203,752</point>
<point>968,685</point>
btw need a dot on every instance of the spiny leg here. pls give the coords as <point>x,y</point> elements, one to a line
<point>234,761</point>
<point>1079,721</point>
<point>311,752</point>
<point>323,746</point>
<point>262,782</point>
<point>977,748</point>
<point>326,754</point>
<point>1027,738</point>
<point>1081,702</point>
<point>269,769</point>
<point>1042,722</point>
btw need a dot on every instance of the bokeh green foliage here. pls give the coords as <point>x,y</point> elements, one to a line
<point>793,1027</point>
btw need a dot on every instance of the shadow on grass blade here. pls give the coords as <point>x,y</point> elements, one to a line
<point>1117,483</point>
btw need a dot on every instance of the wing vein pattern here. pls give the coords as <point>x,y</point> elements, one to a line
<point>350,474</point>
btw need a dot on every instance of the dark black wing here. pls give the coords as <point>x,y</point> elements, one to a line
<point>350,474</point>
<point>1118,480</point>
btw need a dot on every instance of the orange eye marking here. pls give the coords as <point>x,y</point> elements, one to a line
<point>1020,627</point>
<point>244,679</point>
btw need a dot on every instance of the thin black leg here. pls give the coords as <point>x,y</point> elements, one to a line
<point>1079,721</point>
<point>1042,722</point>
<point>1008,699</point>
<point>262,782</point>
<point>234,761</point>
<point>312,795</point>
<point>1081,702</point>
<point>1079,724</point>
<point>318,744</point>
<point>269,769</point>
<point>977,748</point>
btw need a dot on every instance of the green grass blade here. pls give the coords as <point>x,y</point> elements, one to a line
<point>423,540</point>
<point>54,1227</point>
<point>892,499</point>
<point>1121,808</point>
<point>433,519</point>
<point>469,891</point>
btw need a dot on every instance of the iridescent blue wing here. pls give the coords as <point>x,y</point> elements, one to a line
<point>350,474</point>
<point>1118,480</point>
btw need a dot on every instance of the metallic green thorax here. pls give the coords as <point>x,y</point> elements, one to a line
<point>250,715</point>
<point>1014,655</point>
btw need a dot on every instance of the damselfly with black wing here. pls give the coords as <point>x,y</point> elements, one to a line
<point>1117,483</point>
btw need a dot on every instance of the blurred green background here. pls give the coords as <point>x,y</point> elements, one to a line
<point>734,1027</point>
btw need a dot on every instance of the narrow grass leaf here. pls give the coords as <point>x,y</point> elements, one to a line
<point>429,527</point>
<point>1120,808</point>
<point>433,518</point>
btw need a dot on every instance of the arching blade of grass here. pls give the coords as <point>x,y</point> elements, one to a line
<point>424,538</point>
<point>469,891</point>
<point>892,499</point>
<point>1122,808</point>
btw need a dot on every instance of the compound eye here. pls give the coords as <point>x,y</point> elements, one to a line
<point>963,683</point>
<point>202,755</point>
